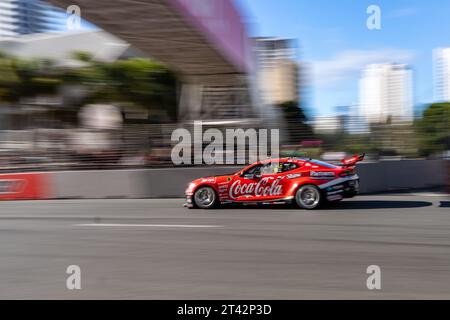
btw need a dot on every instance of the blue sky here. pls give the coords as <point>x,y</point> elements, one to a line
<point>59,22</point>
<point>335,43</point>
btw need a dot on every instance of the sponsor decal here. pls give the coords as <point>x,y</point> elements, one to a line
<point>15,186</point>
<point>293,175</point>
<point>334,192</point>
<point>338,187</point>
<point>322,174</point>
<point>335,197</point>
<point>265,187</point>
<point>12,186</point>
<point>338,181</point>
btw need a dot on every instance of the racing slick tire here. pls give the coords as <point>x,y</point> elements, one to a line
<point>308,197</point>
<point>205,198</point>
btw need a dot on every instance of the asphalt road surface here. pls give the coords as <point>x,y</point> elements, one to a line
<point>156,249</point>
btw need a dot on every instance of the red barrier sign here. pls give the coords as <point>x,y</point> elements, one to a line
<point>24,186</point>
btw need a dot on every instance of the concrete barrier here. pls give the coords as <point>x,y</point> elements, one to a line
<point>171,182</point>
<point>93,184</point>
<point>400,175</point>
<point>135,184</point>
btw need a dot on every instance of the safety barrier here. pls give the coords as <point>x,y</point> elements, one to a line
<point>171,182</point>
<point>25,186</point>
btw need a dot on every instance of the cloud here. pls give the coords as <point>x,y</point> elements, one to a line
<point>348,64</point>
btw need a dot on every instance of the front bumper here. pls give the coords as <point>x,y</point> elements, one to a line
<point>189,202</point>
<point>338,189</point>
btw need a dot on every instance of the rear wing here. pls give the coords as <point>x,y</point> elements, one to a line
<point>351,161</point>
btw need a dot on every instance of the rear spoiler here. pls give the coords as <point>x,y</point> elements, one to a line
<point>351,161</point>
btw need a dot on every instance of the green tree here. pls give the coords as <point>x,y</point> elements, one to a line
<point>433,129</point>
<point>21,78</point>
<point>142,82</point>
<point>295,120</point>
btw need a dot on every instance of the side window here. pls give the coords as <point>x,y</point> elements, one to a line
<point>272,168</point>
<point>254,170</point>
<point>268,168</point>
<point>288,166</point>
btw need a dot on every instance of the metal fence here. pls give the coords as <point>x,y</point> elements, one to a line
<point>70,149</point>
<point>150,145</point>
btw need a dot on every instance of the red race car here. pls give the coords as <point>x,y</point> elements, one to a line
<point>306,183</point>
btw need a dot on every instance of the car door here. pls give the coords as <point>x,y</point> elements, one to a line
<point>276,182</point>
<point>271,184</point>
<point>243,186</point>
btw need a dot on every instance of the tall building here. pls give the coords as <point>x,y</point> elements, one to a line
<point>441,74</point>
<point>278,70</point>
<point>19,17</point>
<point>386,93</point>
<point>330,124</point>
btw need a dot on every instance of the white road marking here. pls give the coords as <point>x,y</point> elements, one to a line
<point>146,225</point>
<point>431,194</point>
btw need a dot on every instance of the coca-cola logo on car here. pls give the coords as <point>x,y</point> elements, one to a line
<point>265,187</point>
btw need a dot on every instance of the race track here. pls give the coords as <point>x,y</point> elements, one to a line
<point>155,249</point>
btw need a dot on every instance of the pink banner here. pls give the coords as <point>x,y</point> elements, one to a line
<point>220,22</point>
